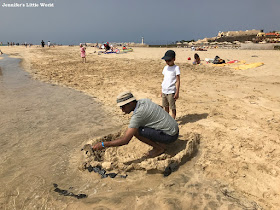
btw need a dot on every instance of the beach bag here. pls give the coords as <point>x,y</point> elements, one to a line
<point>218,60</point>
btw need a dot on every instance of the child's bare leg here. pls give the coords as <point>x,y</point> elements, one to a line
<point>167,109</point>
<point>174,113</point>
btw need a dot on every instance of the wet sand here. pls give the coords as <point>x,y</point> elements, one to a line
<point>236,114</point>
<point>42,125</point>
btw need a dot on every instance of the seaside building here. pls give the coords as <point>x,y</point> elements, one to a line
<point>253,32</point>
<point>241,36</point>
<point>249,39</point>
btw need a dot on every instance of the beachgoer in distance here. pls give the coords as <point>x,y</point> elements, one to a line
<point>49,44</point>
<point>196,59</point>
<point>171,83</point>
<point>117,50</point>
<point>107,46</point>
<point>43,43</point>
<point>149,123</point>
<point>83,53</point>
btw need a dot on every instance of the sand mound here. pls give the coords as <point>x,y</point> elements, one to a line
<point>130,157</point>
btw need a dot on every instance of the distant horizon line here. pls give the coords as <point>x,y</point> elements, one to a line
<point>77,43</point>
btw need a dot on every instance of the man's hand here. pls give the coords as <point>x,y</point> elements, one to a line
<point>98,146</point>
<point>130,132</point>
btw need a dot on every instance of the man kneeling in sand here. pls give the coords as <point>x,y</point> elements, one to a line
<point>149,123</point>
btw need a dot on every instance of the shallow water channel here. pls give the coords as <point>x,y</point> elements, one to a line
<point>41,125</point>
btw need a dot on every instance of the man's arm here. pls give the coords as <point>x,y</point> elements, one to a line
<point>176,96</point>
<point>130,132</point>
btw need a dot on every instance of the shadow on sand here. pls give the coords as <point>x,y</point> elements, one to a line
<point>176,154</point>
<point>191,118</point>
<point>171,150</point>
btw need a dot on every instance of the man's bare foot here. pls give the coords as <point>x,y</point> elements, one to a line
<point>155,152</point>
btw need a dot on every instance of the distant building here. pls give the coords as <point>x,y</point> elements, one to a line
<point>238,33</point>
<point>272,35</point>
<point>261,34</point>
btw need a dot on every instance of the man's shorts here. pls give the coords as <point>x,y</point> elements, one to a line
<point>168,100</point>
<point>157,135</point>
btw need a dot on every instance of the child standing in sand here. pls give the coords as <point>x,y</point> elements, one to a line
<point>83,53</point>
<point>171,83</point>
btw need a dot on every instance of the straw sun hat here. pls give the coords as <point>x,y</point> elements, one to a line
<point>125,98</point>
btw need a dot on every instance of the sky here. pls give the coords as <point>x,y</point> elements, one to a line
<point>158,21</point>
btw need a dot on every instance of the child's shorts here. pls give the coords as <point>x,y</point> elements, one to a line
<point>168,100</point>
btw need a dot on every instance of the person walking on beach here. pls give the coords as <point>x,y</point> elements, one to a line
<point>149,123</point>
<point>49,44</point>
<point>171,83</point>
<point>83,53</point>
<point>43,43</point>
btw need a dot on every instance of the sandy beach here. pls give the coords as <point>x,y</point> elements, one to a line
<point>232,116</point>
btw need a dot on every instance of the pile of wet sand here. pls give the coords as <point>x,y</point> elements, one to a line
<point>130,157</point>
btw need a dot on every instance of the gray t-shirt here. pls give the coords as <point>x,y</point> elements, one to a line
<point>149,114</point>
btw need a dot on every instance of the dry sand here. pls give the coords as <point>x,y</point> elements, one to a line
<point>233,113</point>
